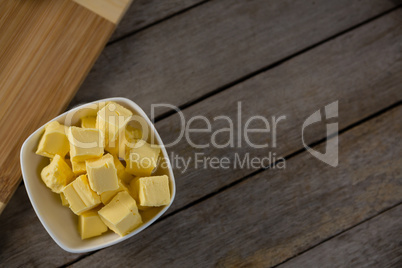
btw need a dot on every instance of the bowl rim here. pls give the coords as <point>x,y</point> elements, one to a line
<point>25,177</point>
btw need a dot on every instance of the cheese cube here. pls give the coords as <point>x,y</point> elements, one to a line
<point>102,174</point>
<point>134,192</point>
<point>151,191</point>
<point>85,143</point>
<point>135,189</point>
<point>80,196</point>
<point>107,196</point>
<point>75,202</point>
<point>79,168</point>
<point>88,122</point>
<point>57,174</point>
<point>90,225</point>
<point>143,160</point>
<point>54,141</point>
<point>121,214</point>
<point>121,171</point>
<point>64,201</point>
<point>112,120</point>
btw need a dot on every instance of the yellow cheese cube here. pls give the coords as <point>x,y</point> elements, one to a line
<point>107,196</point>
<point>112,120</point>
<point>54,141</point>
<point>121,171</point>
<point>80,196</point>
<point>85,143</point>
<point>79,168</point>
<point>75,202</point>
<point>143,160</point>
<point>121,214</point>
<point>90,225</point>
<point>64,201</point>
<point>102,174</point>
<point>134,191</point>
<point>57,174</point>
<point>88,122</point>
<point>151,191</point>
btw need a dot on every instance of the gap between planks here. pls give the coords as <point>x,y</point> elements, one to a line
<point>339,234</point>
<point>344,250</point>
<point>128,34</point>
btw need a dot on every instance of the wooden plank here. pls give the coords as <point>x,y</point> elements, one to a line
<point>360,69</point>
<point>24,241</point>
<point>278,213</point>
<point>146,12</point>
<point>215,44</point>
<point>375,243</point>
<point>46,50</point>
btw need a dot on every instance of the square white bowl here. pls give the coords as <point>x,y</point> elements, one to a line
<point>60,222</point>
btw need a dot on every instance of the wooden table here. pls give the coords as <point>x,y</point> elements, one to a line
<point>287,58</point>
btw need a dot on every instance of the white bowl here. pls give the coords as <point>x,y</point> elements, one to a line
<point>60,222</point>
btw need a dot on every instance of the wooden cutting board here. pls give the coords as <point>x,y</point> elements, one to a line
<point>47,47</point>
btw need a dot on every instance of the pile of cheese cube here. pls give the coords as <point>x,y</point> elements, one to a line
<point>85,169</point>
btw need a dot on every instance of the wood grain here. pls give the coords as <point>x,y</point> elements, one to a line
<point>215,44</point>
<point>375,243</point>
<point>112,10</point>
<point>24,241</point>
<point>276,214</point>
<point>143,13</point>
<point>360,69</point>
<point>46,50</point>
